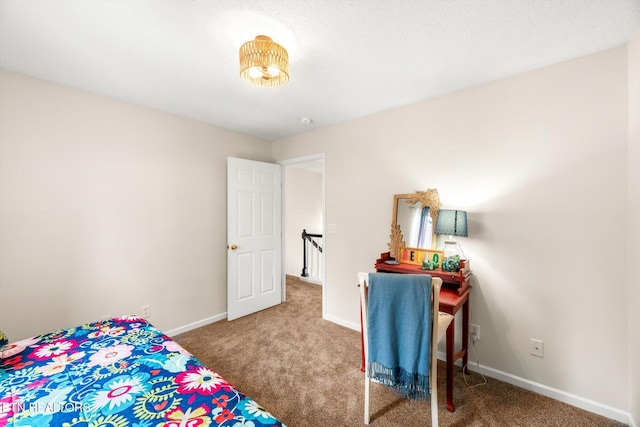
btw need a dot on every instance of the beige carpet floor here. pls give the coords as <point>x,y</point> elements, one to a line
<point>306,371</point>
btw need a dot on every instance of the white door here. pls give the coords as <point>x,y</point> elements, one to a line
<point>254,240</point>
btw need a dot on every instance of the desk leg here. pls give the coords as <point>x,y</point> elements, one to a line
<point>465,335</point>
<point>450,341</point>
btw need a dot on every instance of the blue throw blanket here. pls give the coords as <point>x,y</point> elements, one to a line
<point>400,332</point>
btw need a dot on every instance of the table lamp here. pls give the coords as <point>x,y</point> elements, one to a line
<point>452,223</point>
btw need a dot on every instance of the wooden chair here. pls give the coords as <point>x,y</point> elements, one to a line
<point>440,321</point>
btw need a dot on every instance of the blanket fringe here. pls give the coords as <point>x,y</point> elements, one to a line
<point>403,383</point>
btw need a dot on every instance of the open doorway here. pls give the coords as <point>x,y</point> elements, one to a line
<point>303,208</point>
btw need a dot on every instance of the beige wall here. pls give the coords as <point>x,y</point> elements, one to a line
<point>539,161</point>
<point>634,227</point>
<point>106,206</point>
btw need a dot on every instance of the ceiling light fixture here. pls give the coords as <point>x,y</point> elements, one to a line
<point>264,62</point>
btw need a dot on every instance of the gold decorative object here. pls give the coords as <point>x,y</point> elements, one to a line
<point>264,62</point>
<point>429,198</point>
<point>395,241</point>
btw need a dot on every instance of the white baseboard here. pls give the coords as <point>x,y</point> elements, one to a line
<point>311,280</point>
<point>342,322</point>
<point>554,393</point>
<point>194,325</point>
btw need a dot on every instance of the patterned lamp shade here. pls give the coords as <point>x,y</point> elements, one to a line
<point>452,223</point>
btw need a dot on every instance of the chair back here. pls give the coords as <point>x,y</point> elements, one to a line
<point>363,282</point>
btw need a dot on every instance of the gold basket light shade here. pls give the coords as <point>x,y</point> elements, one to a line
<point>264,62</point>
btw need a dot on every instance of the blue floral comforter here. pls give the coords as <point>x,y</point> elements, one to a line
<point>116,373</point>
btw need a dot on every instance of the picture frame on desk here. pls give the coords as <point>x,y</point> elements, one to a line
<point>415,256</point>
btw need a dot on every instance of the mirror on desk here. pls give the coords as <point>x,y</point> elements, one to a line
<point>413,221</point>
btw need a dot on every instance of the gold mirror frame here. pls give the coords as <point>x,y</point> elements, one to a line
<point>429,198</point>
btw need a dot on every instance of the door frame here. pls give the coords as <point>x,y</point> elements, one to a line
<point>284,164</point>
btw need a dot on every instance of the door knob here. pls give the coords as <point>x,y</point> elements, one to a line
<point>234,247</point>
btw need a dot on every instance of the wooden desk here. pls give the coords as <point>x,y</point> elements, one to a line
<point>454,295</point>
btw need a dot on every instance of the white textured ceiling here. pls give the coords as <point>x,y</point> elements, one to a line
<point>348,58</point>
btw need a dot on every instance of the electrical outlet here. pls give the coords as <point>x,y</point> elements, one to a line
<point>536,347</point>
<point>146,311</point>
<point>474,331</point>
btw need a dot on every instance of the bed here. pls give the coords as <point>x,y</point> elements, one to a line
<point>118,373</point>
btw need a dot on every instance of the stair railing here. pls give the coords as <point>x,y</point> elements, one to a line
<point>313,257</point>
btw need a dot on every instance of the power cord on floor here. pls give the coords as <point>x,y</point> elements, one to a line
<point>464,368</point>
